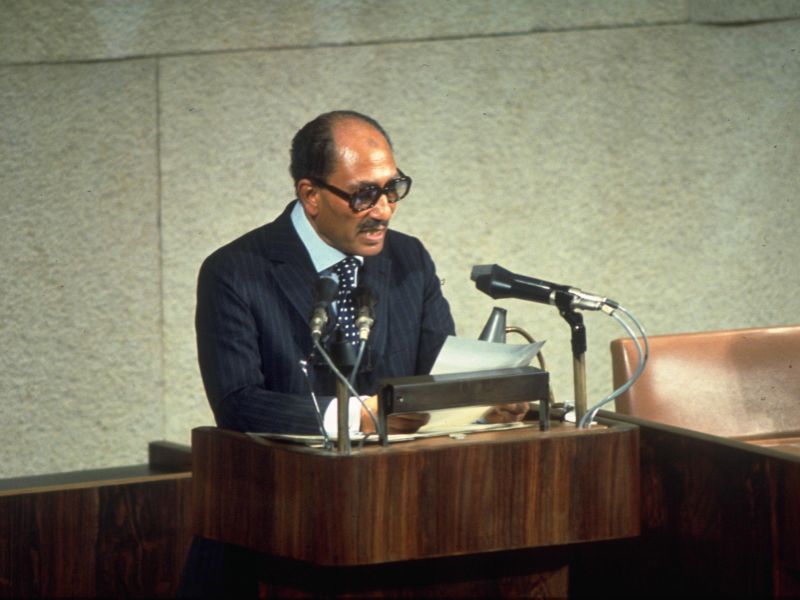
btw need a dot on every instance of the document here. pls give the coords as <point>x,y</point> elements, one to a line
<point>458,355</point>
<point>462,355</point>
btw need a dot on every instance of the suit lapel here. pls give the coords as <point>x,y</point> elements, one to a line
<point>290,263</point>
<point>377,275</point>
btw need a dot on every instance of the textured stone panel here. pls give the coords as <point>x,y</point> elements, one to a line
<point>81,351</point>
<point>742,11</point>
<point>653,165</point>
<point>41,30</point>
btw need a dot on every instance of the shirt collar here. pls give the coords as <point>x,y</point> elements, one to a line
<point>322,255</point>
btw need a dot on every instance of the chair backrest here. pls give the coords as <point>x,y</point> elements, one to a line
<point>732,383</point>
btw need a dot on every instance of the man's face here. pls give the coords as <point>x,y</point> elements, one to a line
<point>364,158</point>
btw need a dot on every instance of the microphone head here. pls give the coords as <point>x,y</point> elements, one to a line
<point>365,300</point>
<point>497,282</point>
<point>325,290</point>
<point>479,271</point>
<point>364,297</point>
<point>492,280</point>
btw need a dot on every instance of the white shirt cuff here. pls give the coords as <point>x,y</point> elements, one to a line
<point>331,418</point>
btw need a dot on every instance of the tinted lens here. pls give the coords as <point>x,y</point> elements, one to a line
<point>401,186</point>
<point>368,196</point>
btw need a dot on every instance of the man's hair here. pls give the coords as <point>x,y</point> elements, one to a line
<point>313,152</point>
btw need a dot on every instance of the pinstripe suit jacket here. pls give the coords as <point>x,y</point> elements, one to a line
<point>254,300</point>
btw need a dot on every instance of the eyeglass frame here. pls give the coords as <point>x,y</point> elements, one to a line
<point>351,197</point>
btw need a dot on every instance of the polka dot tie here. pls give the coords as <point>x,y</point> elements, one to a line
<point>345,308</point>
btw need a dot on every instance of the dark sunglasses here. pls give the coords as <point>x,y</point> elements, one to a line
<point>368,195</point>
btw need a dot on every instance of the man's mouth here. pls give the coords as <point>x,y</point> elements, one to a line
<point>373,228</point>
<point>373,236</point>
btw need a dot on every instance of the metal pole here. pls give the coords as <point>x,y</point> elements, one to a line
<point>564,303</point>
<point>579,382</point>
<point>343,421</point>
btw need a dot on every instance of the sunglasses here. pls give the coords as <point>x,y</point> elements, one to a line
<point>368,195</point>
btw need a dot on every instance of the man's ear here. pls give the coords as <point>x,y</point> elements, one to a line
<point>308,194</point>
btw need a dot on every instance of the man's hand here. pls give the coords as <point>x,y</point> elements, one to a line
<point>506,413</point>
<point>404,423</point>
<point>407,422</point>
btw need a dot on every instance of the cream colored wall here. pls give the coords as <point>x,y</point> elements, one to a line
<point>639,149</point>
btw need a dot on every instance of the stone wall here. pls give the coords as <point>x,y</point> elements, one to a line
<point>644,150</point>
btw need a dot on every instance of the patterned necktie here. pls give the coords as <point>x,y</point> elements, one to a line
<point>345,308</point>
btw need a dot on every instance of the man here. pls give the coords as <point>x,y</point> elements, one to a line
<point>256,294</point>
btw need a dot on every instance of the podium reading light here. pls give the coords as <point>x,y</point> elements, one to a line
<point>495,328</point>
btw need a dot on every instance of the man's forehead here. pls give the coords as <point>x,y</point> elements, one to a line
<point>353,131</point>
<point>359,145</point>
<point>350,156</point>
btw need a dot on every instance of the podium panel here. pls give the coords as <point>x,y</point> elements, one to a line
<point>436,498</point>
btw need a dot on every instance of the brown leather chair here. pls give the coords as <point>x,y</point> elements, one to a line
<point>732,383</point>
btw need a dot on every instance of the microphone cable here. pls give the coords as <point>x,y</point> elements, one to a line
<point>359,357</point>
<point>326,441</point>
<point>642,356</point>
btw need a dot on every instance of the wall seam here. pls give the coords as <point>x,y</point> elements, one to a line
<point>160,249</point>
<point>382,42</point>
<point>689,20</point>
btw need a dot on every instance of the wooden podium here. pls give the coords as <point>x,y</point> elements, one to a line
<point>493,514</point>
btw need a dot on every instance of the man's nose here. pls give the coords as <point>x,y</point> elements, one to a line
<point>382,209</point>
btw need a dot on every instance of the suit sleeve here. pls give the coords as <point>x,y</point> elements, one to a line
<point>241,395</point>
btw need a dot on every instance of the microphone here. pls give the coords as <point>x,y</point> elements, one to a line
<point>324,293</point>
<point>365,300</point>
<point>497,282</point>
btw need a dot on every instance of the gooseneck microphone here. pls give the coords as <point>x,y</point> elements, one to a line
<point>365,300</point>
<point>324,293</point>
<point>497,282</point>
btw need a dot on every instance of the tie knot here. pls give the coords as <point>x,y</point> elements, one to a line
<point>346,270</point>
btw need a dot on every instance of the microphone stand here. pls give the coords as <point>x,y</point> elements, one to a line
<point>343,356</point>
<point>563,301</point>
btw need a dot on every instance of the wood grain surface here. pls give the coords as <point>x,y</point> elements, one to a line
<point>720,517</point>
<point>431,498</point>
<point>89,537</point>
